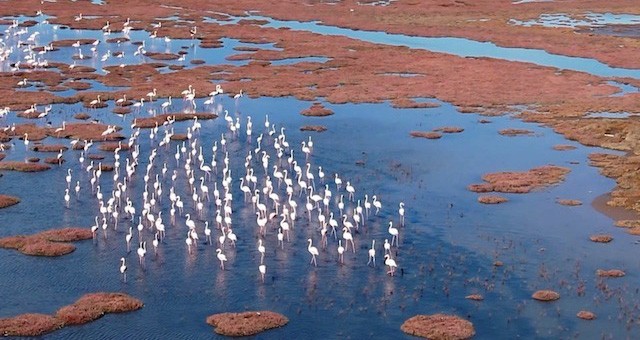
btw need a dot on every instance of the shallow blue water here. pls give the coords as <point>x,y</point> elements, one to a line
<point>442,249</point>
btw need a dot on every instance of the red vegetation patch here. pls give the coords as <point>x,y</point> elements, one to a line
<point>104,167</point>
<point>569,202</point>
<point>66,234</point>
<point>515,132</point>
<point>521,182</point>
<point>121,110</point>
<point>601,238</point>
<point>88,308</point>
<point>426,134</point>
<point>54,160</point>
<point>70,42</point>
<point>150,122</point>
<point>162,56</point>
<point>546,295</point>
<point>95,157</point>
<point>49,148</point>
<point>438,326</point>
<point>492,199</point>
<point>93,306</point>
<point>178,137</point>
<point>628,223</point>
<point>449,129</point>
<point>23,167</point>
<point>7,201</point>
<point>41,247</point>
<point>610,273</point>
<point>82,116</point>
<point>113,146</point>
<point>247,323</point>
<point>474,297</point>
<point>29,325</point>
<point>563,147</point>
<point>316,110</point>
<point>315,128</point>
<point>586,315</point>
<point>47,243</point>
<point>407,103</point>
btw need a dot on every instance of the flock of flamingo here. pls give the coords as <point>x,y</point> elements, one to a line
<point>201,197</point>
<point>287,194</point>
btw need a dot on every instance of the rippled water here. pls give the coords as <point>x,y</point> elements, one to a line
<point>447,248</point>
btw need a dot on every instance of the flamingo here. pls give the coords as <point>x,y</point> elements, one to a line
<point>346,235</point>
<point>207,232</point>
<point>155,244</point>
<point>340,251</point>
<point>313,251</point>
<point>222,257</point>
<point>66,197</point>
<point>372,253</point>
<point>394,233</point>
<point>189,241</point>
<point>261,249</point>
<point>401,212</point>
<point>281,238</point>
<point>391,263</point>
<point>123,269</point>
<point>142,250</point>
<point>377,204</point>
<point>263,270</point>
<point>128,239</point>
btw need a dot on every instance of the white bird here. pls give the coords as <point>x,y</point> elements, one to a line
<point>377,204</point>
<point>340,251</point>
<point>372,253</point>
<point>391,263</point>
<point>347,236</point>
<point>207,232</point>
<point>313,251</point>
<point>263,270</point>
<point>123,269</point>
<point>128,239</point>
<point>142,250</point>
<point>66,197</point>
<point>222,257</point>
<point>401,212</point>
<point>394,233</point>
<point>189,241</point>
<point>261,249</point>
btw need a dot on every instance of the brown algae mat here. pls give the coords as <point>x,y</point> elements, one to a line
<point>492,199</point>
<point>439,327</point>
<point>7,201</point>
<point>546,295</point>
<point>86,309</point>
<point>316,110</point>
<point>54,242</point>
<point>246,323</point>
<point>93,306</point>
<point>521,182</point>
